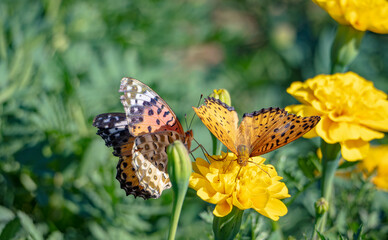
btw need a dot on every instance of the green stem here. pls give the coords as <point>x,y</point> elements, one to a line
<point>330,160</point>
<point>179,170</point>
<point>177,207</point>
<point>345,48</point>
<point>276,231</point>
<point>217,145</point>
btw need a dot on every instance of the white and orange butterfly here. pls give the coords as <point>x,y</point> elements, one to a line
<point>140,137</point>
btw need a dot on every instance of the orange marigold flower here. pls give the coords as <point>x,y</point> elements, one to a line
<point>225,183</point>
<point>362,15</point>
<point>353,112</point>
<point>377,159</point>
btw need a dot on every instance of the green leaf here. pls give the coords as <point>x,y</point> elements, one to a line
<point>10,230</point>
<point>6,214</point>
<point>29,226</point>
<point>348,164</point>
<point>358,235</point>
<point>55,236</point>
<point>321,236</point>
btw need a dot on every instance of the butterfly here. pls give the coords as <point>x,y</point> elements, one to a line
<point>259,132</point>
<point>139,138</point>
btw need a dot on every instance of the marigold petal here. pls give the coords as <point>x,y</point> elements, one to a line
<point>303,110</point>
<point>229,182</point>
<point>202,165</point>
<point>362,15</point>
<point>211,196</point>
<point>342,131</point>
<point>223,208</point>
<point>197,181</point>
<point>260,198</point>
<point>279,190</point>
<point>195,168</point>
<point>301,93</point>
<point>353,150</point>
<point>379,121</point>
<point>273,209</point>
<point>241,198</point>
<point>311,134</point>
<point>381,180</point>
<point>322,129</point>
<point>376,155</point>
<point>377,158</point>
<point>258,160</point>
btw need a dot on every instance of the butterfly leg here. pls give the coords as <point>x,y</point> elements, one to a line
<point>260,168</point>
<point>238,173</point>
<point>195,148</point>
<point>221,159</point>
<point>204,151</point>
<point>206,154</point>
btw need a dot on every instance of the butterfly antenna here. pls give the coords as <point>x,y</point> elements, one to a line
<point>199,102</point>
<point>187,126</point>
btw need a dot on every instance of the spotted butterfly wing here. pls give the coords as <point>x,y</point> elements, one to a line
<point>113,128</point>
<point>221,120</point>
<point>146,111</point>
<point>150,160</point>
<point>272,128</point>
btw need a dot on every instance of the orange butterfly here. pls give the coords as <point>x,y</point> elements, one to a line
<point>259,132</point>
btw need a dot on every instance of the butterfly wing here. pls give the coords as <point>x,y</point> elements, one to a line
<point>113,128</point>
<point>272,128</point>
<point>150,160</point>
<point>128,179</point>
<point>146,111</point>
<point>221,120</point>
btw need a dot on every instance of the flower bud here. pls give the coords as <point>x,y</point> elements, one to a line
<point>345,47</point>
<point>223,95</point>
<point>321,206</point>
<point>179,166</point>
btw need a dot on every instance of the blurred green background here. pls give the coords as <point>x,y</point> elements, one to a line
<point>61,63</point>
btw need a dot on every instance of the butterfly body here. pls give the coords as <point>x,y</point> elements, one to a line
<point>259,132</point>
<point>140,137</point>
<point>243,155</point>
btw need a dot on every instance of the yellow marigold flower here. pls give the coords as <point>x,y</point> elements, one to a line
<point>362,15</point>
<point>352,110</point>
<point>225,183</point>
<point>378,159</point>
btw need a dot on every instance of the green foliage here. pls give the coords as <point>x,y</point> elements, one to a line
<point>61,63</point>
